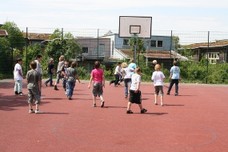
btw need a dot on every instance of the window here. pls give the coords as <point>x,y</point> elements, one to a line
<point>213,57</point>
<point>160,43</point>
<point>153,43</point>
<point>85,50</point>
<point>125,41</point>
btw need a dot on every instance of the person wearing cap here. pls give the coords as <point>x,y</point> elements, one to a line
<point>18,77</point>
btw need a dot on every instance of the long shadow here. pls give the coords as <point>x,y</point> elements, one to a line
<point>150,93</point>
<point>12,102</point>
<point>173,104</point>
<point>80,98</point>
<point>56,113</point>
<point>115,107</point>
<point>145,98</point>
<point>186,95</point>
<point>54,98</point>
<point>153,113</point>
<point>7,85</point>
<point>9,103</point>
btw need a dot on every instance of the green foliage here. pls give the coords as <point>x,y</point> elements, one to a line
<point>138,42</point>
<point>83,73</point>
<point>15,36</point>
<point>62,45</point>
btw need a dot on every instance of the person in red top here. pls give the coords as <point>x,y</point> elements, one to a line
<point>98,80</point>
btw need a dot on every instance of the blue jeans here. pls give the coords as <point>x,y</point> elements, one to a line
<point>18,86</point>
<point>127,83</point>
<point>70,88</point>
<point>50,79</point>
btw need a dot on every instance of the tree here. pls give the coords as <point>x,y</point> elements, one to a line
<point>62,45</point>
<point>139,44</point>
<point>15,36</point>
<point>10,45</point>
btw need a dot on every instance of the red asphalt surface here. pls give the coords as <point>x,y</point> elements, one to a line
<point>194,121</point>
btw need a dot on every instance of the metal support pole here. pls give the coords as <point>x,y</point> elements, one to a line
<point>208,43</point>
<point>97,43</point>
<point>135,46</point>
<point>26,47</point>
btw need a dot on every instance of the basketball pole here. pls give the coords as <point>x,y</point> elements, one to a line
<point>135,47</point>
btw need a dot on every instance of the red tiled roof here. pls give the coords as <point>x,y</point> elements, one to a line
<point>150,54</point>
<point>3,32</point>
<point>219,43</point>
<point>38,36</point>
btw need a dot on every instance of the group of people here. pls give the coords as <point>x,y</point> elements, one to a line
<point>129,73</point>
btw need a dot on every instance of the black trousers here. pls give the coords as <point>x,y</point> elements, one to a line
<point>172,82</point>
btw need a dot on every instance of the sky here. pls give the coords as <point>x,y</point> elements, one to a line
<point>181,15</point>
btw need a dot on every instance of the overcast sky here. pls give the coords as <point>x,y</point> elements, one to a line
<point>190,15</point>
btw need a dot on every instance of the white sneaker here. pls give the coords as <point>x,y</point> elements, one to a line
<point>31,111</point>
<point>37,111</point>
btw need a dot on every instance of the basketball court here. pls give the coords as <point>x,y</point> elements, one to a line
<point>194,121</point>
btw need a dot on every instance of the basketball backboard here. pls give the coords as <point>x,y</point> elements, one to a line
<point>131,25</point>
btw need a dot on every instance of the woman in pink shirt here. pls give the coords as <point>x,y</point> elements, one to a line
<point>98,79</point>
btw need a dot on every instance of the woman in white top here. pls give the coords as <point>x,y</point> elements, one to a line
<point>158,78</point>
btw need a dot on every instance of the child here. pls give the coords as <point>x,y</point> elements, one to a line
<point>126,72</point>
<point>158,77</point>
<point>98,79</point>
<point>33,85</point>
<point>72,76</point>
<point>64,73</point>
<point>135,93</point>
<point>18,77</point>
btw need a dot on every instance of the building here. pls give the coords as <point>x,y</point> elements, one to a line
<point>215,52</point>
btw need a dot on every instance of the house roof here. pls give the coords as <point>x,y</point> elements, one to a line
<point>37,36</point>
<point>3,33</point>
<point>156,54</point>
<point>218,43</point>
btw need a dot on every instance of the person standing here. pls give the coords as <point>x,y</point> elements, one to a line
<point>135,93</point>
<point>97,79</point>
<point>33,85</point>
<point>39,69</point>
<point>174,78</point>
<point>18,77</point>
<point>126,72</point>
<point>51,70</point>
<point>117,75</point>
<point>158,79</point>
<point>64,73</point>
<point>72,76</point>
<point>59,69</point>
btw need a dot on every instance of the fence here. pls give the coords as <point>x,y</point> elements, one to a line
<point>185,37</point>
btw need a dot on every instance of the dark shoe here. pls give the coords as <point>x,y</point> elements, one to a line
<point>102,104</point>
<point>176,94</point>
<point>94,105</point>
<point>16,93</point>
<point>55,88</point>
<point>129,112</point>
<point>143,111</point>
<point>69,98</point>
<point>168,93</point>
